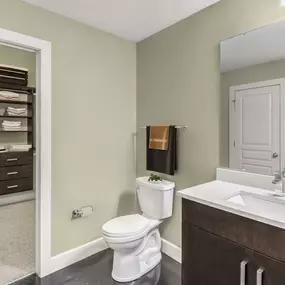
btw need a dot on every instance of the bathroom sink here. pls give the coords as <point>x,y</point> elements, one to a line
<point>261,204</point>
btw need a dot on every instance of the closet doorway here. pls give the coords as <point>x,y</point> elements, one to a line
<point>25,156</point>
<point>17,163</point>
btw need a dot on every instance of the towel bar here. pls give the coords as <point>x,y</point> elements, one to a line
<point>177,127</point>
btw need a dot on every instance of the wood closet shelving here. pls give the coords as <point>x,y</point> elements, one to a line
<point>16,168</point>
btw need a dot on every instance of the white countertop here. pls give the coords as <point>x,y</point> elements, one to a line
<point>216,193</point>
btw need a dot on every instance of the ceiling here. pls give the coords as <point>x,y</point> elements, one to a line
<point>133,20</point>
<point>263,45</point>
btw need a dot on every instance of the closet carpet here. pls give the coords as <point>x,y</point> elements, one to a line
<point>17,241</point>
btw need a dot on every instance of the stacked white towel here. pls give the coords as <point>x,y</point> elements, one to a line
<point>20,147</point>
<point>8,95</point>
<point>10,111</point>
<point>11,126</point>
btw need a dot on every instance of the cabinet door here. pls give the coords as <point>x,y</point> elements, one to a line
<point>271,272</point>
<point>210,260</point>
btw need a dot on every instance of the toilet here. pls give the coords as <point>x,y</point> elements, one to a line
<point>135,239</point>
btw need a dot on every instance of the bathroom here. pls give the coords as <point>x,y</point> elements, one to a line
<point>103,89</point>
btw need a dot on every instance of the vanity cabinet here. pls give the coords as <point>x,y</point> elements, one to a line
<point>211,257</point>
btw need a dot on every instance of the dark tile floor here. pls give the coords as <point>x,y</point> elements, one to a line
<point>96,270</point>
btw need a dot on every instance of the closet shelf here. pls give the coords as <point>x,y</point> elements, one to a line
<point>16,102</point>
<point>15,117</point>
<point>29,130</point>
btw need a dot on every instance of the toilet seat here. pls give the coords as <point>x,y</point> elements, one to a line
<point>126,226</point>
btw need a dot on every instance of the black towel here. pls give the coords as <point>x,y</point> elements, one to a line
<point>162,161</point>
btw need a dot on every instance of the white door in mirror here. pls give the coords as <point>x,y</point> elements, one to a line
<point>255,128</point>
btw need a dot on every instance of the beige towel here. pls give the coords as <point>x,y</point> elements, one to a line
<point>158,138</point>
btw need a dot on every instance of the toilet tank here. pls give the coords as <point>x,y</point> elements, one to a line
<point>155,198</point>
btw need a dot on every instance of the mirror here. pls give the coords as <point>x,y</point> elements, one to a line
<point>253,100</point>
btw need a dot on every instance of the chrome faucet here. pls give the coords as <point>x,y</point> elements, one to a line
<point>277,178</point>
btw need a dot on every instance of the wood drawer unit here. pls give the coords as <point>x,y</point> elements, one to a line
<point>221,248</point>
<point>16,185</point>
<point>16,172</point>
<point>16,158</point>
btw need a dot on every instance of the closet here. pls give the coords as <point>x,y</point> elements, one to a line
<point>17,112</point>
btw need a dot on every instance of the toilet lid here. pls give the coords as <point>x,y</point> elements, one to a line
<point>125,225</point>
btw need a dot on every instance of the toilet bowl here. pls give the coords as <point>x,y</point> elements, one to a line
<point>136,243</point>
<point>150,278</point>
<point>135,239</point>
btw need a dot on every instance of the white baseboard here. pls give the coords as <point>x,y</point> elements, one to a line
<point>171,250</point>
<point>74,255</point>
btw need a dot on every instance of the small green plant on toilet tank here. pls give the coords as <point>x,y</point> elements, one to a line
<point>154,178</point>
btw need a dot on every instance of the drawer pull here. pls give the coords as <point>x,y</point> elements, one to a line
<point>243,265</point>
<point>12,186</point>
<point>12,159</point>
<point>259,276</point>
<point>12,173</point>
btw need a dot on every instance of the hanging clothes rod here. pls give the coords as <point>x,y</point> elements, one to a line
<point>176,127</point>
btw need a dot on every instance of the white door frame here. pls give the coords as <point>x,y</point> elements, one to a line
<point>42,49</point>
<point>233,89</point>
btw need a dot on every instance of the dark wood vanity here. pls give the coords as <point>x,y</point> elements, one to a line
<point>221,248</point>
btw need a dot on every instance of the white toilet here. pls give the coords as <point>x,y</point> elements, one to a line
<point>135,239</point>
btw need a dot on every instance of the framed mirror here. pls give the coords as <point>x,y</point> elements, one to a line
<point>253,100</point>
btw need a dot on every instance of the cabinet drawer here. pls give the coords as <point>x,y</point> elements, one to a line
<point>16,158</point>
<point>15,172</point>
<point>252,234</point>
<point>16,185</point>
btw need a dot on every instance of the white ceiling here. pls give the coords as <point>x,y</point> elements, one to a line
<point>259,46</point>
<point>133,20</point>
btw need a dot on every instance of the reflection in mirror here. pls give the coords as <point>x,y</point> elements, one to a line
<point>252,105</point>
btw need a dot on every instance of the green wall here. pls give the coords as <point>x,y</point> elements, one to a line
<point>93,118</point>
<point>256,73</point>
<point>178,82</point>
<point>21,58</point>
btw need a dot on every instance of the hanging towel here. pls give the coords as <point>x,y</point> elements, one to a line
<point>158,138</point>
<point>159,158</point>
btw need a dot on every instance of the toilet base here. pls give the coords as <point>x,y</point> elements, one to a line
<point>130,266</point>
